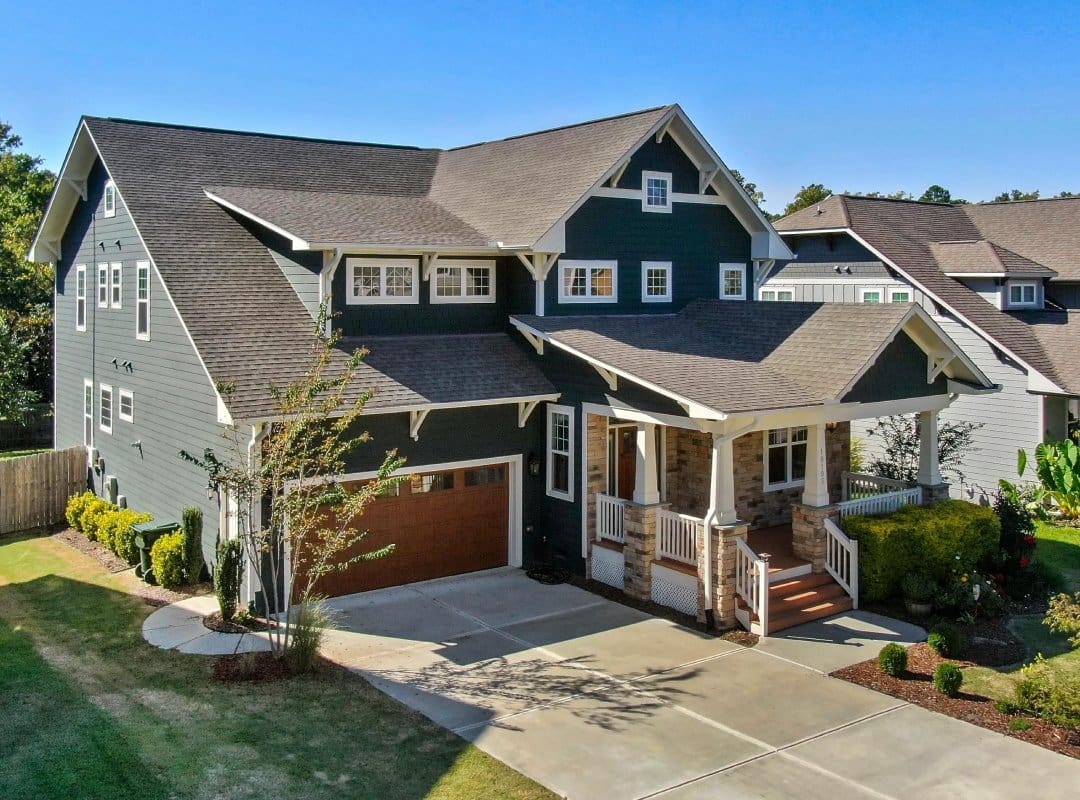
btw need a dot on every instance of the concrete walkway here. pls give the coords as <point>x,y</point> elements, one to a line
<point>179,626</point>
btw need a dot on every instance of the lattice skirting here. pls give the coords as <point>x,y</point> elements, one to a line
<point>674,589</point>
<point>608,566</point>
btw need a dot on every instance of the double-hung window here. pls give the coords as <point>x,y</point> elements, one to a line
<point>656,281</point>
<point>588,281</point>
<point>110,199</point>
<point>899,295</point>
<point>870,294</point>
<point>142,300</point>
<point>560,452</point>
<point>382,281</point>
<point>1022,293</point>
<point>783,294</point>
<point>88,412</point>
<point>733,281</point>
<point>127,405</point>
<point>103,285</point>
<point>656,191</point>
<point>105,409</point>
<point>116,294</point>
<point>80,297</point>
<point>785,457</point>
<point>463,282</point>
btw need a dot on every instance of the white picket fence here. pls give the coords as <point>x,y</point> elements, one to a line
<point>610,518</point>
<point>842,560</point>
<point>676,537</point>
<point>881,503</point>
<point>752,582</point>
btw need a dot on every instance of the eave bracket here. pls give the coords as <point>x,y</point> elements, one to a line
<point>610,378</point>
<point>525,409</point>
<point>416,419</point>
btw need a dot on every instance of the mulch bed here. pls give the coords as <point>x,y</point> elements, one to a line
<point>215,623</point>
<point>257,668</point>
<point>107,558</point>
<point>917,687</point>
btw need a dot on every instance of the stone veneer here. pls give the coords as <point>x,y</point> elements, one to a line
<point>934,494</point>
<point>640,549</point>
<point>595,475</point>
<point>808,537</point>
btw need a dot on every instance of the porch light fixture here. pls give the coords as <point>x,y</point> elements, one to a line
<point>534,465</point>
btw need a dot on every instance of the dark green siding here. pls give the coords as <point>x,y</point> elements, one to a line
<point>899,372</point>
<point>838,247</point>
<point>666,156</point>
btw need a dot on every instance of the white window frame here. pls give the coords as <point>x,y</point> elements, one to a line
<point>568,412</point>
<point>461,266</point>
<point>102,390</point>
<point>88,414</point>
<point>865,290</point>
<point>116,284</point>
<point>895,290</point>
<point>646,266</point>
<point>1021,285</point>
<point>646,175</point>
<point>776,290</point>
<point>109,195</point>
<point>724,270</point>
<point>80,297</point>
<point>589,266</point>
<point>353,299</point>
<point>142,268</point>
<point>123,394</point>
<point>103,285</point>
<point>788,482</point>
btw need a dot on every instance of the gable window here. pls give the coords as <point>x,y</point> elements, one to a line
<point>116,293</point>
<point>80,297</point>
<point>105,409</point>
<point>110,199</point>
<point>870,294</point>
<point>103,285</point>
<point>464,282</point>
<point>560,448</point>
<point>587,281</point>
<point>375,280</point>
<point>732,282</point>
<point>142,300</point>
<point>783,294</point>
<point>656,281</point>
<point>656,191</point>
<point>1022,293</point>
<point>88,412</point>
<point>127,405</point>
<point>899,295</point>
<point>785,457</point>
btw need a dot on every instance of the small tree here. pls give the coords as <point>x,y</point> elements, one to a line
<point>308,528</point>
<point>899,442</point>
<point>15,397</point>
<point>192,523</point>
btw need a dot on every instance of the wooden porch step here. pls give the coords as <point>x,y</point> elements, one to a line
<point>804,599</point>
<point>802,583</point>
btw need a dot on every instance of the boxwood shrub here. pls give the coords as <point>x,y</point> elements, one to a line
<point>921,538</point>
<point>76,507</point>
<point>167,560</point>
<point>948,678</point>
<point>115,531</point>
<point>94,515</point>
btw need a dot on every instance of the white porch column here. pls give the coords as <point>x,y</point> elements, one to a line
<point>646,489</point>
<point>929,473</point>
<point>539,308</point>
<point>816,489</point>
<point>722,482</point>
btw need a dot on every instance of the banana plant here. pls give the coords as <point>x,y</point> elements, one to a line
<point>1058,466</point>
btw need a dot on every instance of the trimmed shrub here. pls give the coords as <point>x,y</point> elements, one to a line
<point>1050,694</point>
<point>228,574</point>
<point>192,525</point>
<point>921,538</point>
<point>93,515</point>
<point>116,531</point>
<point>948,678</point>
<point>893,659</point>
<point>75,508</point>
<point>167,560</point>
<point>945,640</point>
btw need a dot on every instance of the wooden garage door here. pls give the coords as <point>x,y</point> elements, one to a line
<point>440,523</point>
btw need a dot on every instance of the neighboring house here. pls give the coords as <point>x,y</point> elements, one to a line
<point>1002,279</point>
<point>563,341</point>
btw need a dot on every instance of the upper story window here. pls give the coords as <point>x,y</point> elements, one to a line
<point>127,405</point>
<point>116,294</point>
<point>142,300</point>
<point>656,191</point>
<point>560,450</point>
<point>870,294</point>
<point>587,281</point>
<point>785,457</point>
<point>656,281</point>
<point>733,281</point>
<point>103,285</point>
<point>110,199</point>
<point>900,295</point>
<point>379,280</point>
<point>464,282</point>
<point>1022,293</point>
<point>105,409</point>
<point>785,294</point>
<point>80,297</point>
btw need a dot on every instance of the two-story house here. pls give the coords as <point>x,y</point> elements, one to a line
<point>563,341</point>
<point>1002,279</point>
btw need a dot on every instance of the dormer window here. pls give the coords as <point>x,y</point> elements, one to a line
<point>1022,293</point>
<point>110,199</point>
<point>464,282</point>
<point>656,191</point>
<point>382,280</point>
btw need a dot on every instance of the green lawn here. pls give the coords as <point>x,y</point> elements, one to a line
<point>88,710</point>
<point>1059,548</point>
<point>17,453</point>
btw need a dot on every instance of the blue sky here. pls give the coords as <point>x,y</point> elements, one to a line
<point>860,96</point>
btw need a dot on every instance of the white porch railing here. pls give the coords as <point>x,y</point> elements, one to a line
<point>676,536</point>
<point>610,513</point>
<point>842,560</point>
<point>752,582</point>
<point>857,485</point>
<point>881,503</point>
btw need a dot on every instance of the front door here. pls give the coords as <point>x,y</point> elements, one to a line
<point>626,461</point>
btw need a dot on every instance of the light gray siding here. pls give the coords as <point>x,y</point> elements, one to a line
<point>840,290</point>
<point>304,280</point>
<point>175,406</point>
<point>986,288</point>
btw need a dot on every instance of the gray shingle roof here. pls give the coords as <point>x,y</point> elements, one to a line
<point>1059,334</point>
<point>736,357</point>
<point>985,258</point>
<point>1045,231</point>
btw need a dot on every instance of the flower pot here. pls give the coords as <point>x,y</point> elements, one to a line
<point>918,609</point>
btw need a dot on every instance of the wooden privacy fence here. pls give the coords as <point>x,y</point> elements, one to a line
<point>34,490</point>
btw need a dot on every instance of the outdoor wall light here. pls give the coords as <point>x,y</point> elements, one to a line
<point>534,465</point>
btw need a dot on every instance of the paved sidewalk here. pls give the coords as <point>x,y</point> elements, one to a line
<point>179,626</point>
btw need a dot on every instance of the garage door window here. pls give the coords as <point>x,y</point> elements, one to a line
<point>560,437</point>
<point>485,476</point>
<point>436,482</point>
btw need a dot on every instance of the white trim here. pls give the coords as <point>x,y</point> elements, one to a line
<point>1004,275</point>
<point>559,494</point>
<point>383,264</point>
<point>102,389</point>
<point>878,290</point>
<point>80,271</point>
<point>110,190</point>
<point>831,279</point>
<point>297,242</point>
<point>634,415</point>
<point>676,197</point>
<point>776,289</point>
<point>652,175</point>
<point>1012,284</point>
<point>140,267</point>
<point>432,277</point>
<point>88,416</point>
<point>656,265</point>
<point>121,394</point>
<point>787,446</point>
<point>891,291</point>
<point>103,277</point>
<point>116,284</point>
<point>732,266</point>
<point>588,266</point>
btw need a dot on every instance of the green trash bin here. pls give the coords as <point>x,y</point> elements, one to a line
<point>146,533</point>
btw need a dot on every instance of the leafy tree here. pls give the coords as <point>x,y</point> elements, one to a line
<point>751,188</point>
<point>811,194</point>
<point>15,397</point>
<point>1062,195</point>
<point>899,448</point>
<point>1015,195</point>
<point>936,194</point>
<point>899,194</point>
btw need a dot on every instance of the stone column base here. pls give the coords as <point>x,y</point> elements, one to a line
<point>808,535</point>
<point>935,493</point>
<point>639,550</point>
<point>722,553</point>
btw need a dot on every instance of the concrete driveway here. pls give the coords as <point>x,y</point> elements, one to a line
<point>593,699</point>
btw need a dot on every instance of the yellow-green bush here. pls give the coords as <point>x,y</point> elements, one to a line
<point>95,512</point>
<point>115,531</point>
<point>921,538</point>
<point>167,559</point>
<point>76,506</point>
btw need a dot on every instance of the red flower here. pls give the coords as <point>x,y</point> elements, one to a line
<point>1024,561</point>
<point>1029,539</point>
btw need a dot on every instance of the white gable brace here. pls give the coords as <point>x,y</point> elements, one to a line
<point>538,264</point>
<point>416,419</point>
<point>534,340</point>
<point>610,378</point>
<point>705,177</point>
<point>660,134</point>
<point>525,410</point>
<point>427,263</point>
<point>617,176</point>
<point>762,268</point>
<point>936,363</point>
<point>78,185</point>
<point>52,247</point>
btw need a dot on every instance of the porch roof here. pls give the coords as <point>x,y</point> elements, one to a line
<point>737,357</point>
